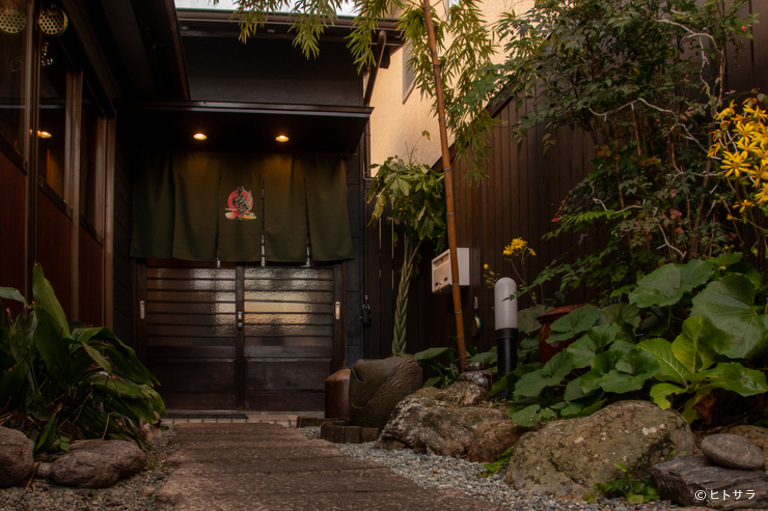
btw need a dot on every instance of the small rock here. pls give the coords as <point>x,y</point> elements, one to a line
<point>98,464</point>
<point>756,435</point>
<point>16,460</point>
<point>733,451</point>
<point>696,481</point>
<point>43,470</point>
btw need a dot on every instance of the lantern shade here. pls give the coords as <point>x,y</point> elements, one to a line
<point>505,310</point>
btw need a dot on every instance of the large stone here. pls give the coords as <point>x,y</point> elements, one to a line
<point>449,431</point>
<point>733,451</point>
<point>492,439</point>
<point>696,481</point>
<point>403,428</point>
<point>756,435</point>
<point>16,460</point>
<point>439,422</point>
<point>568,457</point>
<point>376,386</point>
<point>97,464</point>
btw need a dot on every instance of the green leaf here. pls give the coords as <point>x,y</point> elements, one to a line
<point>47,437</point>
<point>433,381</point>
<point>52,346</point>
<point>430,353</point>
<point>735,377</point>
<point>551,374</point>
<point>696,273</point>
<point>10,293</point>
<point>528,416</point>
<point>667,285</point>
<point>526,318</point>
<point>43,294</point>
<point>488,357</point>
<point>661,391</point>
<point>731,327</point>
<point>582,351</point>
<point>577,321</point>
<point>689,351</point>
<point>83,336</point>
<point>633,369</point>
<point>573,390</point>
<point>660,287</point>
<point>670,367</point>
<point>12,383</point>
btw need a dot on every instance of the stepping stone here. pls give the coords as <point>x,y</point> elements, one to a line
<point>733,451</point>
<point>256,468</point>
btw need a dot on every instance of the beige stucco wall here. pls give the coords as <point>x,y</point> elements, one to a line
<point>396,127</point>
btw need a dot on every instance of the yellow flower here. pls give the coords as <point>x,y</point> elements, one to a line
<point>714,149</point>
<point>727,112</point>
<point>744,129</point>
<point>517,246</point>
<point>530,251</point>
<point>485,266</point>
<point>734,163</point>
<point>762,196</point>
<point>744,205</point>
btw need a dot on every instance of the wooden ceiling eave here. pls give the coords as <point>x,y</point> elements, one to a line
<point>161,35</point>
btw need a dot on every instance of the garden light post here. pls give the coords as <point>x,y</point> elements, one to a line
<point>506,325</point>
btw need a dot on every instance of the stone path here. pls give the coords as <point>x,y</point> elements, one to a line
<point>253,467</point>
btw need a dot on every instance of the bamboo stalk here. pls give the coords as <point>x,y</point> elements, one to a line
<point>446,155</point>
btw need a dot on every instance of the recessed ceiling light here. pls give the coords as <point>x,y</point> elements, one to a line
<point>43,134</point>
<point>200,136</point>
<point>282,138</point>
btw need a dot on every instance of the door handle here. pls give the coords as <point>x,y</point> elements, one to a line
<point>239,320</point>
<point>338,310</point>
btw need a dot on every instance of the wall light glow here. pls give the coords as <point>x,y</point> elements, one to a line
<point>282,138</point>
<point>43,134</point>
<point>200,136</point>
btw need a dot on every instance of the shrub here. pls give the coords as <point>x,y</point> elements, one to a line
<point>64,381</point>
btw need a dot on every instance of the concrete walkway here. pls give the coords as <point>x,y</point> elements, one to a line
<point>254,467</point>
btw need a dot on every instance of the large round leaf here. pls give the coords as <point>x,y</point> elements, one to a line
<point>667,285</point>
<point>732,327</point>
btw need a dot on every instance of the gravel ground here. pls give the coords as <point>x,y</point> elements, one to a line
<point>443,472</point>
<point>134,494</point>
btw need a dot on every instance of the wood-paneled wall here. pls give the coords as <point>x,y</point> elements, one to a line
<point>122,268</point>
<point>12,238</point>
<point>91,276</point>
<point>54,248</point>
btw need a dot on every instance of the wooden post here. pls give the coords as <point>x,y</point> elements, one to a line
<point>448,185</point>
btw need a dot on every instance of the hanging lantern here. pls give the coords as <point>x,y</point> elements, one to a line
<point>12,20</point>
<point>53,21</point>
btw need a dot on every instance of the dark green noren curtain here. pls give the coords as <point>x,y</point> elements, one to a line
<point>326,182</point>
<point>201,206</point>
<point>285,212</point>
<point>153,205</point>
<point>195,227</point>
<point>240,208</point>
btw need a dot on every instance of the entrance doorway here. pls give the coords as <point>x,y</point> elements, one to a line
<point>240,336</point>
